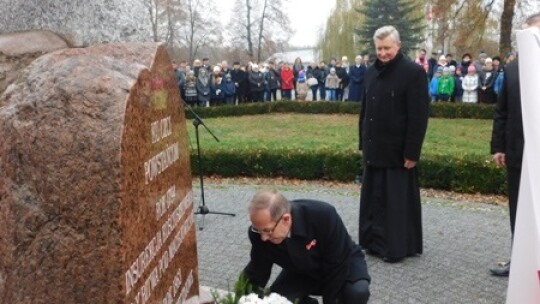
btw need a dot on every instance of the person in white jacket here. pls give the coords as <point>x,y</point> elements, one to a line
<point>470,85</point>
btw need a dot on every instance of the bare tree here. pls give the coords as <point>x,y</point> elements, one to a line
<point>153,7</point>
<point>241,26</point>
<point>200,27</point>
<point>174,13</point>
<point>258,24</point>
<point>463,25</point>
<point>271,19</point>
<point>505,41</point>
<point>164,16</point>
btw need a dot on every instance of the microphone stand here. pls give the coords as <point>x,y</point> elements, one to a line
<point>203,210</point>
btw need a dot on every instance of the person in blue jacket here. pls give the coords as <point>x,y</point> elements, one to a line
<point>229,89</point>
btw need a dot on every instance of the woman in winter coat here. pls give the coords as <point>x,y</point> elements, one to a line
<point>356,79</point>
<point>312,81</point>
<point>486,93</point>
<point>465,62</point>
<point>287,81</point>
<point>321,78</point>
<point>203,88</point>
<point>297,67</point>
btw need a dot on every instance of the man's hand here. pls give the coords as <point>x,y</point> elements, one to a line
<point>500,159</point>
<point>409,164</point>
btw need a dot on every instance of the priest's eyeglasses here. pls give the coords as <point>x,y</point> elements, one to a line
<point>267,231</point>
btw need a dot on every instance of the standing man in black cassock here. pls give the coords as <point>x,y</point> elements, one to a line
<point>393,122</point>
<point>308,239</point>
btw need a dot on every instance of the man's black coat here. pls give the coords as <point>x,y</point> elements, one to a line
<point>394,114</point>
<point>318,247</point>
<point>507,136</point>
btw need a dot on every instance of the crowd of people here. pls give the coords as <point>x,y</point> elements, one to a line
<point>467,81</point>
<point>202,84</point>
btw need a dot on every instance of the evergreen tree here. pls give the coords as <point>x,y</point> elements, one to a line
<point>402,14</point>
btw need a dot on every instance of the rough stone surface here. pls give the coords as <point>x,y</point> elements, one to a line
<point>81,22</point>
<point>93,141</point>
<point>18,50</point>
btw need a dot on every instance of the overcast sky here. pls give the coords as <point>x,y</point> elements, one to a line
<point>307,18</point>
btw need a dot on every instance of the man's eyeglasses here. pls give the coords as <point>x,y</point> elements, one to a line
<point>267,231</point>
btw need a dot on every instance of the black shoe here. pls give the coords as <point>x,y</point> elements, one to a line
<point>392,260</point>
<point>502,271</point>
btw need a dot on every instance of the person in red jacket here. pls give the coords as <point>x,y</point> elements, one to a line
<point>287,81</point>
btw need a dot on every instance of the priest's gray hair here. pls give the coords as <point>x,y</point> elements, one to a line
<point>272,201</point>
<point>386,31</point>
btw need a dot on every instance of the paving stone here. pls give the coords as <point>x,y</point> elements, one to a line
<point>461,242</point>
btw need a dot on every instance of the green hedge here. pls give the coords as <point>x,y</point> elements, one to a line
<point>468,174</point>
<point>438,110</point>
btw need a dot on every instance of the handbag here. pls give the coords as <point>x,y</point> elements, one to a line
<point>312,81</point>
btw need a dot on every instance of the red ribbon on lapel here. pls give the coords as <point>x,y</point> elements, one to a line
<point>311,244</point>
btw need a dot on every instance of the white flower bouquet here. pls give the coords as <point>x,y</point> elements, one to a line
<point>273,298</point>
<point>244,294</point>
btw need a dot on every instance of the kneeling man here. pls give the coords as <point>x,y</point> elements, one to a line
<point>309,241</point>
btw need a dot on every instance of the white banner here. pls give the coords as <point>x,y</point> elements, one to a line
<point>524,284</point>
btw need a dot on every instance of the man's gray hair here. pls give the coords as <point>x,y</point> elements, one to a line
<point>386,31</point>
<point>270,200</point>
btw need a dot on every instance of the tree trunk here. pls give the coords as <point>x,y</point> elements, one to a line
<point>153,12</point>
<point>261,31</point>
<point>505,40</point>
<point>248,28</point>
<point>191,36</point>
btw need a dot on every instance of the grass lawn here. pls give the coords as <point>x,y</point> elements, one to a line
<point>313,131</point>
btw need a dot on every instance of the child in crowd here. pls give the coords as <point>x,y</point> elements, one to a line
<point>458,91</point>
<point>332,84</point>
<point>229,89</point>
<point>434,85</point>
<point>470,85</point>
<point>191,88</point>
<point>301,86</point>
<point>445,87</point>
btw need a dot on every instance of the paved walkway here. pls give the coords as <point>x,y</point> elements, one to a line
<point>461,241</point>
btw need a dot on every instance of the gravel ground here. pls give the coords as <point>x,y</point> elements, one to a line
<point>425,192</point>
<point>464,235</point>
